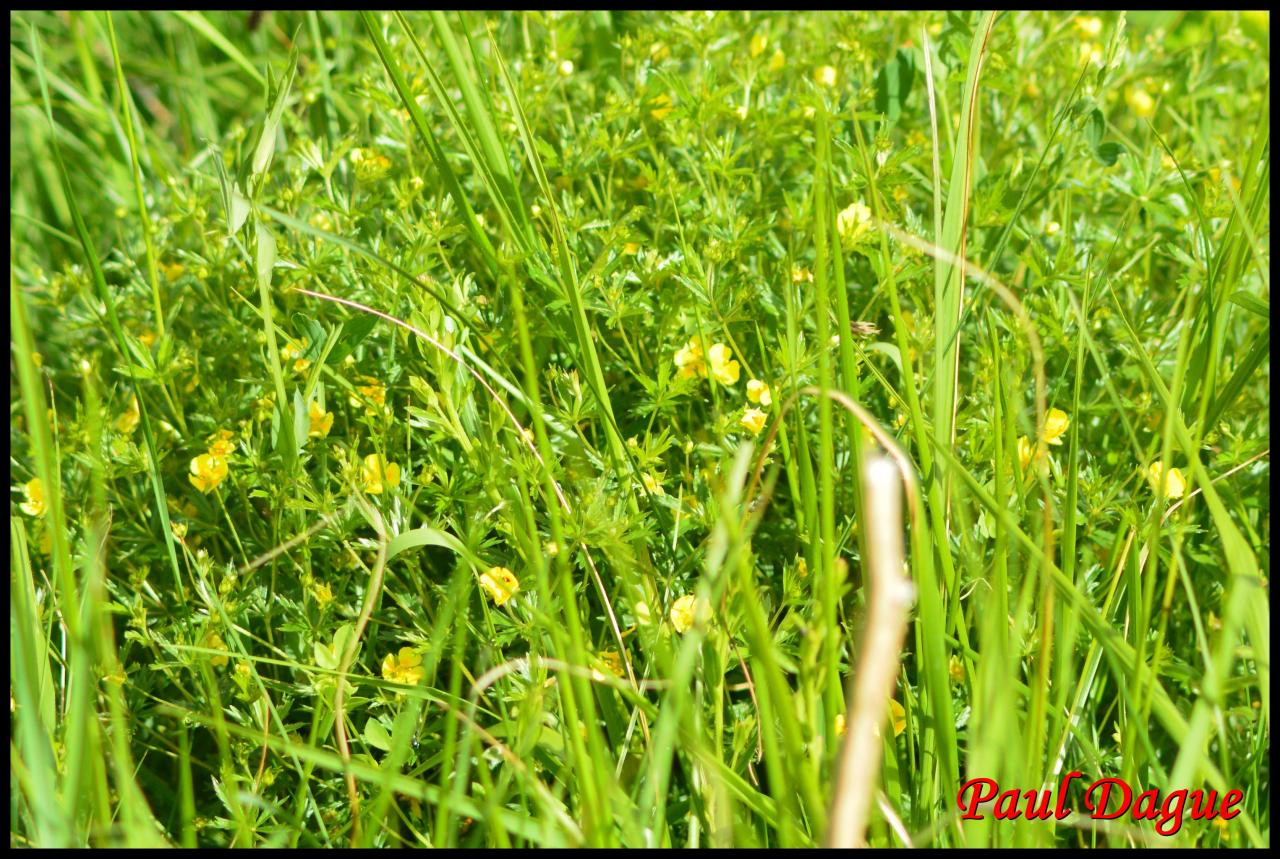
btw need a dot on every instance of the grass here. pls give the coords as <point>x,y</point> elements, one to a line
<point>328,325</point>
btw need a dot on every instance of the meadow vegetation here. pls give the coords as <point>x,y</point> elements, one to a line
<point>449,429</point>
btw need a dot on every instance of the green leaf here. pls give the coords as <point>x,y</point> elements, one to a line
<point>376,735</point>
<point>893,84</point>
<point>1252,303</point>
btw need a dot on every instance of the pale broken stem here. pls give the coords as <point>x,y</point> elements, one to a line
<point>871,685</point>
<point>339,698</point>
<point>533,448</point>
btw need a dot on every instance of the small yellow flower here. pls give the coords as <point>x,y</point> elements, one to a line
<point>758,43</point>
<point>658,52</point>
<point>406,667</point>
<point>955,668</point>
<point>754,420</point>
<point>1055,426</point>
<point>825,76</point>
<point>1026,452</point>
<point>799,274</point>
<point>221,444</point>
<point>1140,102</point>
<point>631,248</point>
<point>147,338</point>
<point>213,641</point>
<point>613,661</point>
<point>323,594</point>
<point>1089,26</point>
<point>853,223</point>
<point>682,613</point>
<point>652,484</point>
<point>899,717</point>
<point>321,421</point>
<point>723,367</point>
<point>128,421</point>
<point>35,504</point>
<point>1175,486</point>
<point>499,583</point>
<point>372,390</point>
<point>207,471</point>
<point>688,359</point>
<point>369,166</point>
<point>172,270</point>
<point>378,474</point>
<point>758,392</point>
<point>660,107</point>
<point>777,61</point>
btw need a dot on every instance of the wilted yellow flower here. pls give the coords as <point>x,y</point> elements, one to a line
<point>652,484</point>
<point>825,76</point>
<point>1088,26</point>
<point>723,367</point>
<point>777,61</point>
<point>682,613</point>
<point>758,43</point>
<point>369,166</point>
<point>758,392</point>
<point>405,667</point>
<point>853,223</point>
<point>207,471</point>
<point>33,489</point>
<point>321,421</point>
<point>688,359</point>
<point>128,421</point>
<point>754,420</point>
<point>221,444</point>
<point>660,107</point>
<point>213,641</point>
<point>899,717</point>
<point>1174,484</point>
<point>499,583</point>
<point>1140,102</point>
<point>378,474</point>
<point>1055,426</point>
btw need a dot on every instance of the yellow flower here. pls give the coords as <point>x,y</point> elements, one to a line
<point>147,338</point>
<point>373,390</point>
<point>213,641</point>
<point>753,420</point>
<point>323,594</point>
<point>1140,102</point>
<point>613,661</point>
<point>128,421</point>
<point>172,270</point>
<point>758,392</point>
<point>777,61</point>
<point>1055,426</point>
<point>369,166</point>
<point>1026,451</point>
<point>799,274</point>
<point>658,52</point>
<point>631,248</point>
<point>899,717</point>
<point>207,471</point>
<point>404,668</point>
<point>378,474</point>
<point>825,76</point>
<point>758,43</point>
<point>652,484</point>
<point>688,359</point>
<point>499,583</point>
<point>321,421</point>
<point>1174,484</point>
<point>853,223</point>
<point>840,725</point>
<point>1089,27</point>
<point>682,613</point>
<point>723,367</point>
<point>34,490</point>
<point>221,444</point>
<point>660,107</point>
